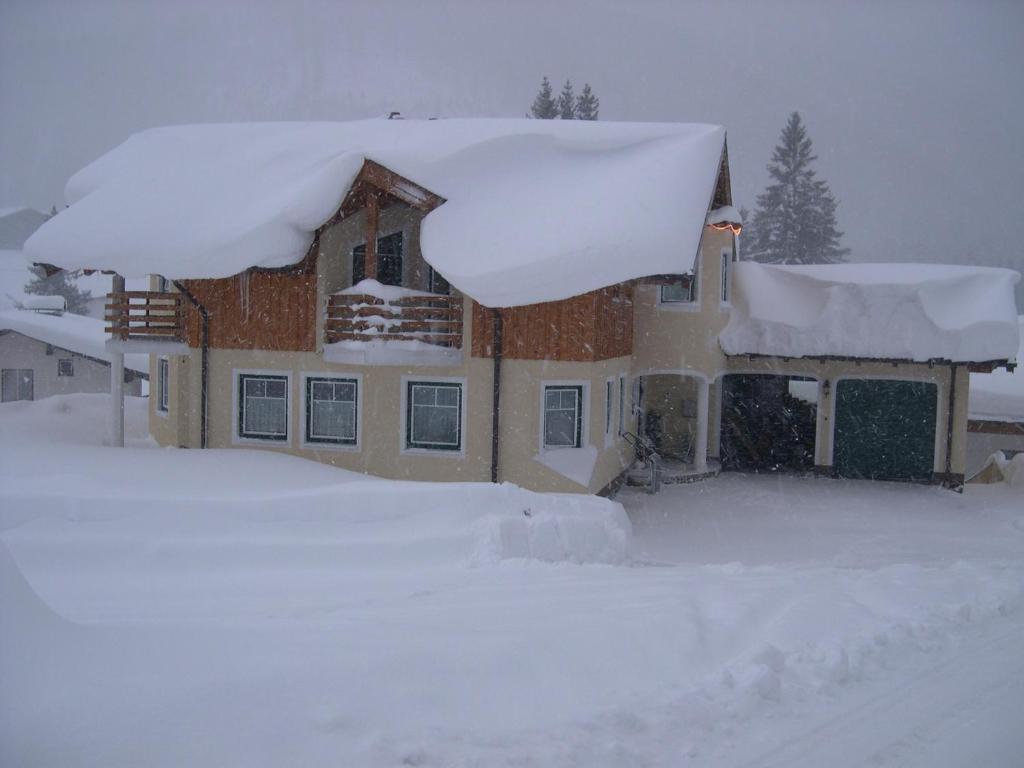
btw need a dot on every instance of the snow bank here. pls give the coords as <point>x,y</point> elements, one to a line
<point>577,464</point>
<point>256,609</point>
<point>888,311</point>
<point>999,469</point>
<point>999,396</point>
<point>535,211</point>
<point>51,468</point>
<point>76,333</point>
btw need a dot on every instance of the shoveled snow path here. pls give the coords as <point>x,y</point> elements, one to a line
<point>964,709</point>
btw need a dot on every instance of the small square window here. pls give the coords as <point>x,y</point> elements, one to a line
<point>682,291</point>
<point>65,367</point>
<point>331,410</point>
<point>563,422</point>
<point>263,407</point>
<point>434,416</point>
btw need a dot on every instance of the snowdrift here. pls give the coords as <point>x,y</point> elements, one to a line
<point>915,312</point>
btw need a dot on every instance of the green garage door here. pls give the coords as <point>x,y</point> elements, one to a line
<point>885,429</point>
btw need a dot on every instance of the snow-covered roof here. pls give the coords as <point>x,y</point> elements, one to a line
<point>75,333</point>
<point>882,311</point>
<point>727,214</point>
<point>45,303</point>
<point>999,396</point>
<point>536,210</point>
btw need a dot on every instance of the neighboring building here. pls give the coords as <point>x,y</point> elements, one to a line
<point>16,225</point>
<point>540,302</point>
<point>996,416</point>
<point>44,351</point>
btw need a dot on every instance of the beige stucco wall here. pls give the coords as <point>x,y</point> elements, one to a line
<point>382,441</point>
<point>681,337</point>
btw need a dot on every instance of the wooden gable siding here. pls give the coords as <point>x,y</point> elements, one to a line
<point>585,328</point>
<point>258,309</point>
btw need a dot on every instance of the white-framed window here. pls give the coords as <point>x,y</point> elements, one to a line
<point>262,411</point>
<point>684,291</point>
<point>331,407</point>
<point>726,277</point>
<point>433,415</point>
<point>163,397</point>
<point>65,366</point>
<point>563,416</point>
<point>17,384</point>
<point>622,403</point>
<point>609,395</point>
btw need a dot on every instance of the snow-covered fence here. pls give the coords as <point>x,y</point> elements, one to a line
<point>146,316</point>
<point>429,318</point>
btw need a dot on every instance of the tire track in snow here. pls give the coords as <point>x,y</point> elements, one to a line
<point>897,724</point>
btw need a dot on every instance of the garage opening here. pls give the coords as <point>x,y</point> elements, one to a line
<point>885,429</point>
<point>769,423</point>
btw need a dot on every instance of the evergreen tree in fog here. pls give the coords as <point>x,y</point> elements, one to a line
<point>567,102</point>
<point>587,104</point>
<point>795,219</point>
<point>544,106</point>
<point>59,284</point>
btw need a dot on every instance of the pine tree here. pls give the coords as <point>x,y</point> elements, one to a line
<point>587,104</point>
<point>544,107</point>
<point>567,102</point>
<point>795,220</point>
<point>59,284</point>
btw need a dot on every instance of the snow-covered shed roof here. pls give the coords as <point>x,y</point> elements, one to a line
<point>75,333</point>
<point>535,210</point>
<point>999,396</point>
<point>875,311</point>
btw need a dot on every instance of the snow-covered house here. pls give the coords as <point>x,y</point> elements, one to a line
<point>45,351</point>
<point>541,302</point>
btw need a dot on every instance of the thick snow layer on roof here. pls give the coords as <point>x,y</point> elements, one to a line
<point>889,311</point>
<point>999,396</point>
<point>725,215</point>
<point>75,333</point>
<point>536,210</point>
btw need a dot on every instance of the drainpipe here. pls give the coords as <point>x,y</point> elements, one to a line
<point>949,424</point>
<point>117,367</point>
<point>496,395</point>
<point>204,343</point>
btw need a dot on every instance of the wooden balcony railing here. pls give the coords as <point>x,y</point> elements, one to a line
<point>428,318</point>
<point>146,316</point>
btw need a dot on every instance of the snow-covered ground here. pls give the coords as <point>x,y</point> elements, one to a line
<point>173,607</point>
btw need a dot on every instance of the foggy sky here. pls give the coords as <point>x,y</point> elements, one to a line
<point>915,108</point>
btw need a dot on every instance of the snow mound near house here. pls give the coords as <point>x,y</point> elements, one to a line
<point>53,468</point>
<point>889,311</point>
<point>535,211</point>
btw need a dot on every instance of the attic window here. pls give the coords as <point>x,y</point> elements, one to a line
<point>65,367</point>
<point>682,291</point>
